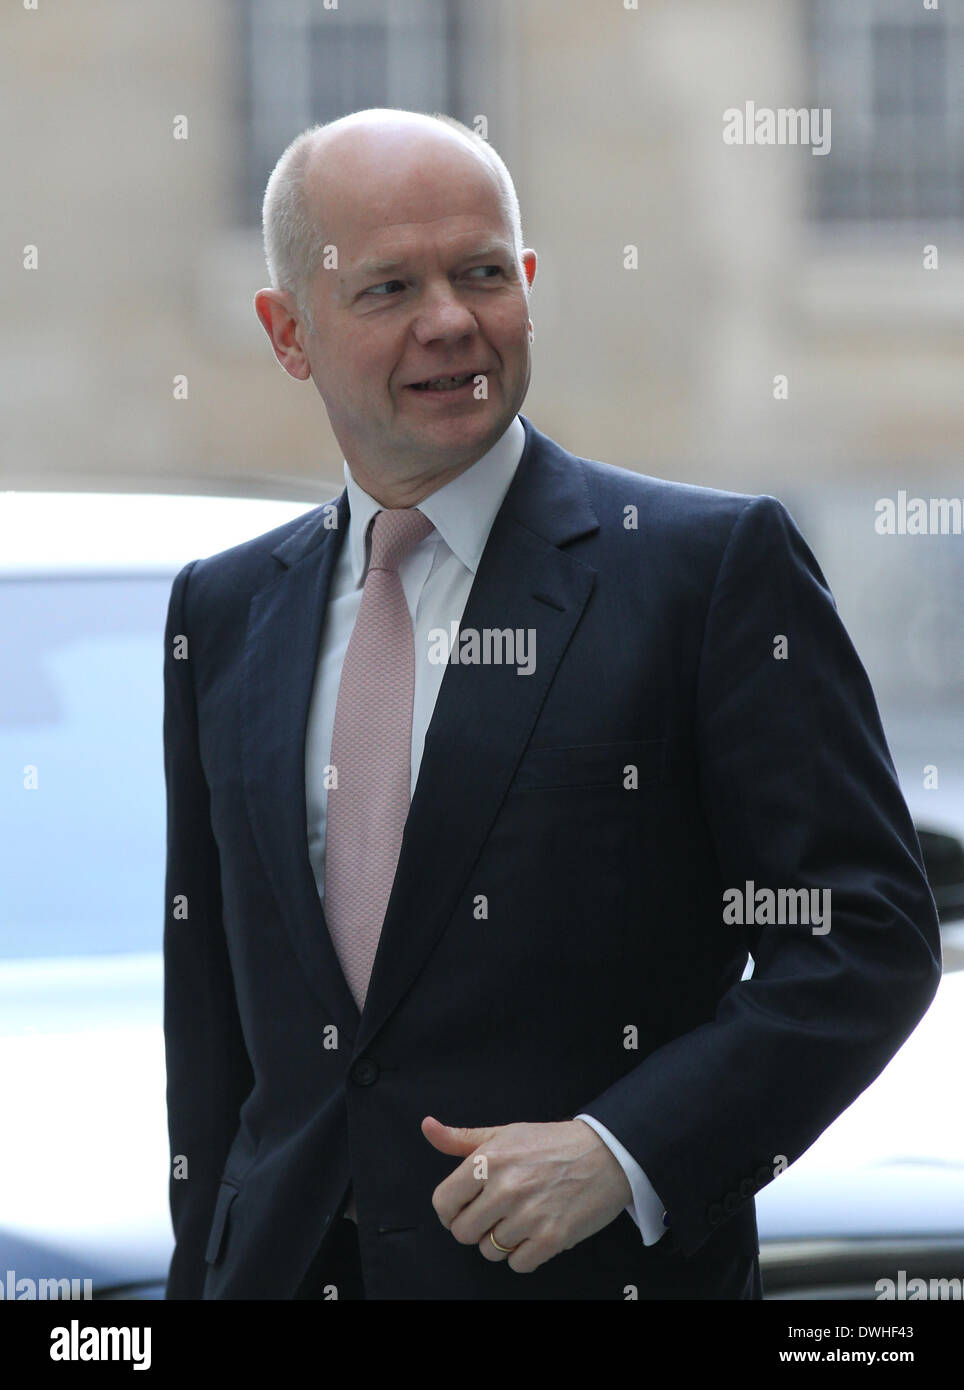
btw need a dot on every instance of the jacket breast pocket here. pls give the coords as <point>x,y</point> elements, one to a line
<point>592,765</point>
<point>227,1191</point>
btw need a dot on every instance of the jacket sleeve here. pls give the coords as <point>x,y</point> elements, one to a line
<point>799,792</point>
<point>208,1070</point>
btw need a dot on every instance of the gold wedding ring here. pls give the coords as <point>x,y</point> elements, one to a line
<point>506,1250</point>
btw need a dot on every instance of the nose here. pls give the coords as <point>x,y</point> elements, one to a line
<point>443,317</point>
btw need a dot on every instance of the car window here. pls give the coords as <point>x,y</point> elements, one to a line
<point>82,805</point>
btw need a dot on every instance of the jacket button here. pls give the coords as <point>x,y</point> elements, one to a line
<point>747,1187</point>
<point>730,1202</point>
<point>364,1072</point>
<point>714,1214</point>
<point>763,1174</point>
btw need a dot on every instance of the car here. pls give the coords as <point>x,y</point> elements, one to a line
<point>84,585</point>
<point>882,1189</point>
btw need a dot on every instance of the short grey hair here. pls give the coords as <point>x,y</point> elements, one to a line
<point>294,243</point>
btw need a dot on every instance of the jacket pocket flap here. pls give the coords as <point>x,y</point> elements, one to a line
<point>226,1195</point>
<point>591,764</point>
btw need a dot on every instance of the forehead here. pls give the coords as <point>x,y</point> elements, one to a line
<point>383,195</point>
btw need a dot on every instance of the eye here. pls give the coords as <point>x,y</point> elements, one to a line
<point>496,268</point>
<point>385,285</point>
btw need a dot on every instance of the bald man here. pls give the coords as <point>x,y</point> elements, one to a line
<point>463,769</point>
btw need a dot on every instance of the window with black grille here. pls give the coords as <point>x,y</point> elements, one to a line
<point>892,74</point>
<point>303,63</point>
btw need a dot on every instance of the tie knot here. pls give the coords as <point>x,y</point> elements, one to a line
<point>394,533</point>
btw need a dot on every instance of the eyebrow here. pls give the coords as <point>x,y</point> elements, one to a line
<point>364,269</point>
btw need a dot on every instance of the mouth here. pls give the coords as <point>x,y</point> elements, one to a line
<point>445,383</point>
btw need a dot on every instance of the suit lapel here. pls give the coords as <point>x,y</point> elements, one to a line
<point>280,659</point>
<point>484,715</point>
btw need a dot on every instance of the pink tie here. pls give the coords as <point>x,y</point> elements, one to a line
<point>371,753</point>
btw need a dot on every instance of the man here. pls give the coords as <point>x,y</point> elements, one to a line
<point>464,771</point>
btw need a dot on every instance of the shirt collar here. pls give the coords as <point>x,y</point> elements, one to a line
<point>462,511</point>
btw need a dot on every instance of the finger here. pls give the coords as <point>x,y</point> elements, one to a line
<point>502,1233</point>
<point>451,1139</point>
<point>457,1191</point>
<point>476,1219</point>
<point>527,1256</point>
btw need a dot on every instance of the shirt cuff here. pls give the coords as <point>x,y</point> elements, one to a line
<point>646,1209</point>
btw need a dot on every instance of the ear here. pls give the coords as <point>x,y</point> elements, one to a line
<point>529,265</point>
<point>279,318</point>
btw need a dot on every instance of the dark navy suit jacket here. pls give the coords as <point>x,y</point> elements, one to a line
<point>654,650</point>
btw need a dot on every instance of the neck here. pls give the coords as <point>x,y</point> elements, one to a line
<point>405,492</point>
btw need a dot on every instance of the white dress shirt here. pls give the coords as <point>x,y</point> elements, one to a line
<point>436,576</point>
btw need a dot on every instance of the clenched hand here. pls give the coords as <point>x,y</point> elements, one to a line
<point>539,1188</point>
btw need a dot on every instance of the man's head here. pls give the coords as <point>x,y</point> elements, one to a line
<point>394,246</point>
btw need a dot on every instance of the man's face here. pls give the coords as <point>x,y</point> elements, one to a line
<point>426,287</point>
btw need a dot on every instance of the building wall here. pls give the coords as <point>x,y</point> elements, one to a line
<point>612,119</point>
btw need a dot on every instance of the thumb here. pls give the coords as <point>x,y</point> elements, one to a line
<point>449,1139</point>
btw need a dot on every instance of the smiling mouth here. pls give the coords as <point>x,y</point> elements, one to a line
<point>444,383</point>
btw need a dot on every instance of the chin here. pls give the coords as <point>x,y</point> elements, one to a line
<point>465,433</point>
